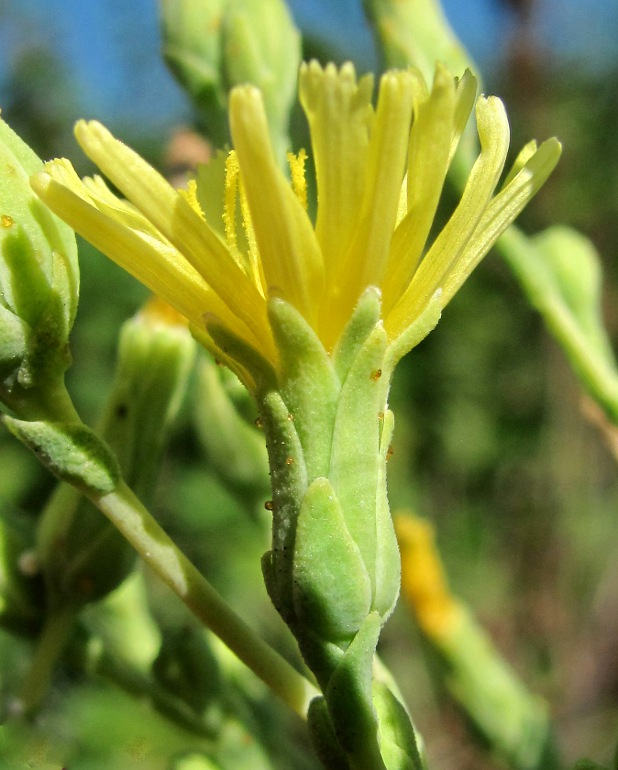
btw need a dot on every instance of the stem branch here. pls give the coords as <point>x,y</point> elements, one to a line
<point>161,554</point>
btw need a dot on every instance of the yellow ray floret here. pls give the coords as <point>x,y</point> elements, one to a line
<point>379,176</point>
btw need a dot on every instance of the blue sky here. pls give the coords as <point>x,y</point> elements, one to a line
<point>111,47</point>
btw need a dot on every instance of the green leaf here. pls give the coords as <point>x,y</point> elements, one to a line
<point>71,451</point>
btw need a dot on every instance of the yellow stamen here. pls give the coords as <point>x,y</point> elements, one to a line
<point>255,263</point>
<point>190,195</point>
<point>229,205</point>
<point>297,172</point>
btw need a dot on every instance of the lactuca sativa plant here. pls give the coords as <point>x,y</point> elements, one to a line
<point>313,315</point>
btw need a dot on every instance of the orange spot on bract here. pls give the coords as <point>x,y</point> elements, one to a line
<point>6,221</point>
<point>376,375</point>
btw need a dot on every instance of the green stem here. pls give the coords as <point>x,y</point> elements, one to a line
<point>51,643</point>
<point>49,402</point>
<point>161,554</point>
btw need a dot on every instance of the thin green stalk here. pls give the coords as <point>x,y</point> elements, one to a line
<point>161,554</point>
<point>51,642</point>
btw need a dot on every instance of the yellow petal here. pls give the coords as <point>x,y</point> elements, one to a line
<point>365,261</point>
<point>176,220</point>
<point>289,252</point>
<point>502,211</point>
<point>340,114</point>
<point>465,96</point>
<point>428,161</point>
<point>148,257</point>
<point>442,257</point>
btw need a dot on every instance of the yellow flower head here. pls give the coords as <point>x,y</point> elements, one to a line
<point>379,174</point>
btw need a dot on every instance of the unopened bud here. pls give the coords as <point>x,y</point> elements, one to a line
<point>39,284</point>
<point>417,33</point>
<point>212,46</point>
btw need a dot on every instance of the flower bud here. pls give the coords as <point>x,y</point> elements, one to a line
<point>560,271</point>
<point>213,46</point>
<point>574,269</point>
<point>512,720</point>
<point>191,31</point>
<point>417,33</point>
<point>261,46</point>
<point>39,284</point>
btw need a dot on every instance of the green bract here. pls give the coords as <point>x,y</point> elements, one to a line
<point>39,281</point>
<point>333,571</point>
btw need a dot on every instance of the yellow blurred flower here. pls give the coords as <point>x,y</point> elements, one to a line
<point>379,172</point>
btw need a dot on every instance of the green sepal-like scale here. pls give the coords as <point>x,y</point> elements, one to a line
<point>349,698</point>
<point>333,571</point>
<point>308,384</point>
<point>324,427</point>
<point>213,45</point>
<point>335,598</point>
<point>396,734</point>
<point>289,483</point>
<point>355,456</point>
